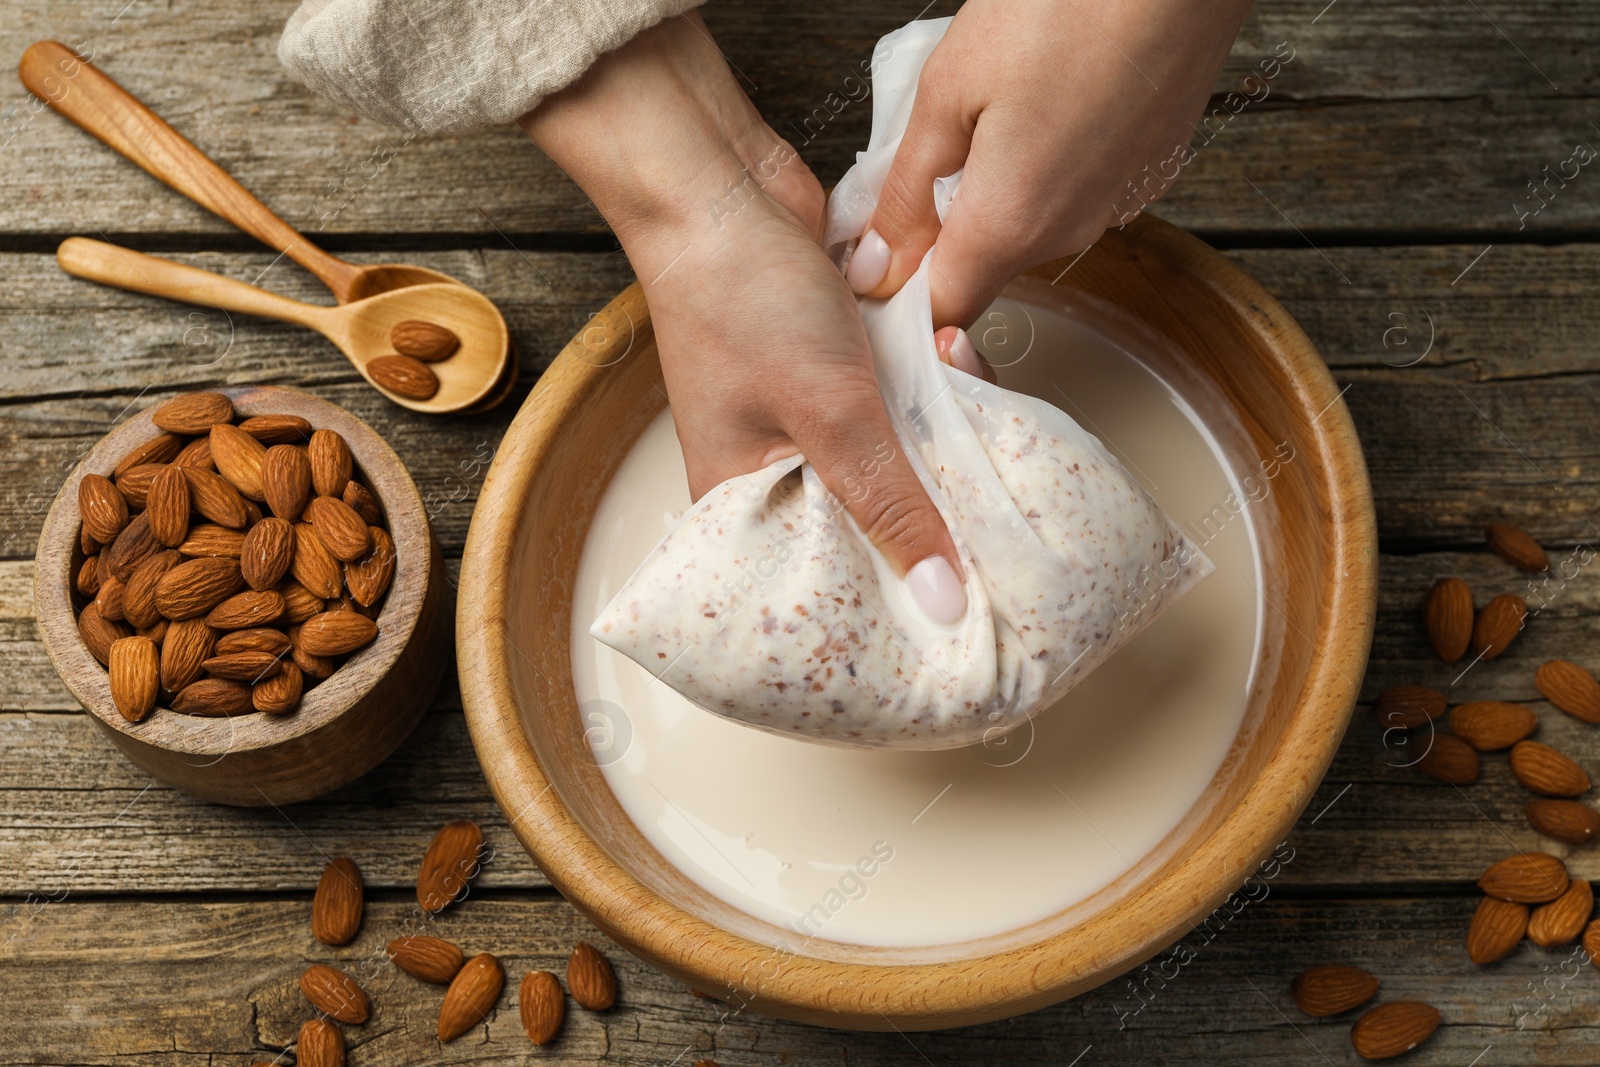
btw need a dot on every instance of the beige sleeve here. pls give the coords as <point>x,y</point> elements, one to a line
<point>442,65</point>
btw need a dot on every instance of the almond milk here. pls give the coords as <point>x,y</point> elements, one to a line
<point>908,849</point>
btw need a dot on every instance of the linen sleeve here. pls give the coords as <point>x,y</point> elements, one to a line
<point>450,65</point>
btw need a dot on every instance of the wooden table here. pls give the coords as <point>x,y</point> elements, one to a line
<point>1373,191</point>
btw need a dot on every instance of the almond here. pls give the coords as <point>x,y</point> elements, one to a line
<point>403,376</point>
<point>252,513</point>
<point>133,546</point>
<point>156,632</point>
<point>134,484</point>
<point>195,587</point>
<point>250,667</point>
<point>183,654</point>
<point>1516,547</point>
<point>333,633</point>
<point>1591,942</point>
<point>314,566</point>
<point>247,610</point>
<point>193,413</point>
<point>215,498</point>
<point>196,453</point>
<point>320,1045</point>
<point>86,544</point>
<point>1489,725</point>
<point>1570,688</point>
<point>168,507</point>
<point>1547,771</point>
<point>213,697</point>
<point>1526,878</point>
<point>209,539</point>
<point>426,341</point>
<point>340,528</point>
<point>471,996</point>
<point>1448,759</point>
<point>335,994</point>
<point>1332,988</point>
<point>286,480</point>
<point>238,458</point>
<point>139,595</point>
<point>1497,927</point>
<point>280,693</point>
<point>331,462</point>
<point>368,579</point>
<point>109,600</point>
<point>88,580</point>
<point>427,958</point>
<point>162,449</point>
<point>1564,820</point>
<point>451,860</point>
<point>1447,616</point>
<point>257,640</point>
<point>363,502</point>
<point>102,508</point>
<point>590,977</point>
<point>267,551</point>
<point>277,429</point>
<point>135,677</point>
<point>1499,622</point>
<point>300,603</point>
<point>1406,706</point>
<point>1391,1029</point>
<point>542,1005</point>
<point>1564,918</point>
<point>99,634</point>
<point>312,666</point>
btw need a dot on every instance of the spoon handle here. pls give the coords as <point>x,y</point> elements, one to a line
<point>104,109</point>
<point>124,268</point>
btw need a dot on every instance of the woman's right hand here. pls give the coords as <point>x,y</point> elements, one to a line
<point>760,338</point>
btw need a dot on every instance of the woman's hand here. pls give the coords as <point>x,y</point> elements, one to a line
<point>760,338</point>
<point>1054,108</point>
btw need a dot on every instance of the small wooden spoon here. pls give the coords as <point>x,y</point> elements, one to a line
<point>360,329</point>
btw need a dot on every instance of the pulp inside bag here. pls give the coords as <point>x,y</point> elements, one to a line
<point>768,605</point>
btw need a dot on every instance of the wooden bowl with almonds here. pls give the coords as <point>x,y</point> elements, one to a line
<point>243,589</point>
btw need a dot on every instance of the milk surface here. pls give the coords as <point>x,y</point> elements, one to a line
<point>905,849</point>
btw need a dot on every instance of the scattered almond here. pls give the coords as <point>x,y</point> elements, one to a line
<point>451,860</point>
<point>1391,1029</point>
<point>1407,706</point>
<point>1332,988</point>
<point>1547,771</point>
<point>1499,622</point>
<point>1448,618</point>
<point>1526,878</point>
<point>427,958</point>
<point>1490,725</point>
<point>426,341</point>
<point>336,909</point>
<point>471,996</point>
<point>1497,927</point>
<point>335,994</point>
<point>1448,759</point>
<point>542,1005</point>
<point>135,677</point>
<point>320,1045</point>
<point>1570,688</point>
<point>1516,547</point>
<point>590,977</point>
<point>403,376</point>
<point>193,413</point>
<point>1564,820</point>
<point>1564,918</point>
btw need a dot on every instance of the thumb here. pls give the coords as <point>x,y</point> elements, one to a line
<point>970,264</point>
<point>858,457</point>
<point>906,224</point>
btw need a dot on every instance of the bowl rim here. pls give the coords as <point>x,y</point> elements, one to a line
<point>974,989</point>
<point>207,738</point>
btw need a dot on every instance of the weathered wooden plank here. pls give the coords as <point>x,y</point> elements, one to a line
<point>1443,118</point>
<point>80,819</point>
<point>178,983</point>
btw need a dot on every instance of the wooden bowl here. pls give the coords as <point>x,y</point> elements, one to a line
<point>344,726</point>
<point>1320,561</point>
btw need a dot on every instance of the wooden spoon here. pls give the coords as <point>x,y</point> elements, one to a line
<point>360,329</point>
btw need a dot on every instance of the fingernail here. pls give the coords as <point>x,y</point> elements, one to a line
<point>964,357</point>
<point>868,264</point>
<point>937,590</point>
